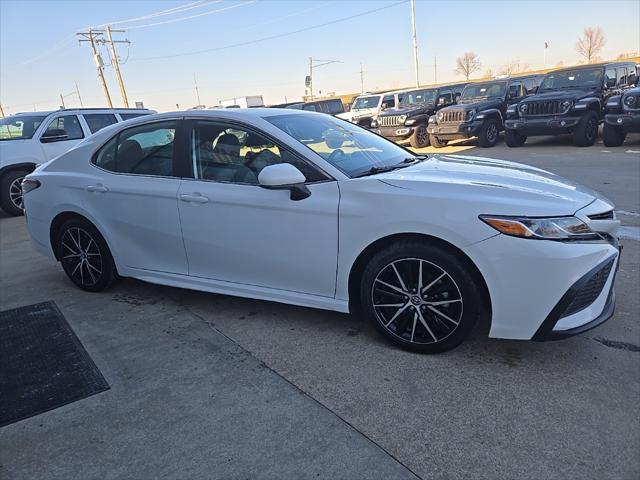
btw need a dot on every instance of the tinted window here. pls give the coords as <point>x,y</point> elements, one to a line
<point>141,150</point>
<point>129,116</point>
<point>96,121</point>
<point>19,127</point>
<point>622,75</point>
<point>390,101</point>
<point>610,76</point>
<point>334,106</point>
<point>226,153</point>
<point>530,85</point>
<point>67,125</point>
<point>309,107</point>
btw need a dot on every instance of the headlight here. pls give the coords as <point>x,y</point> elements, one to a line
<point>374,123</point>
<point>440,116</point>
<point>523,108</point>
<point>410,121</point>
<point>553,228</point>
<point>471,114</point>
<point>631,101</point>
<point>402,118</point>
<point>566,105</point>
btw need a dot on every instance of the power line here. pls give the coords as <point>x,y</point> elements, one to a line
<point>91,37</point>
<point>181,19</point>
<point>271,37</point>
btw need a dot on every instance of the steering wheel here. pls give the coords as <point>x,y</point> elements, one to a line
<point>337,155</point>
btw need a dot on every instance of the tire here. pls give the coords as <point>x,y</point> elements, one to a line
<point>586,131</point>
<point>437,143</point>
<point>420,137</point>
<point>513,139</point>
<point>489,133</point>
<point>11,192</point>
<point>85,256</point>
<point>613,136</point>
<point>419,323</point>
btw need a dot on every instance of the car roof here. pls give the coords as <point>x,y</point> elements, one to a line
<point>86,110</point>
<point>239,114</point>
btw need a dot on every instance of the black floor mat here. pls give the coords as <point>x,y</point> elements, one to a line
<point>43,365</point>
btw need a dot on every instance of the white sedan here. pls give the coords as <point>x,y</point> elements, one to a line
<point>307,209</point>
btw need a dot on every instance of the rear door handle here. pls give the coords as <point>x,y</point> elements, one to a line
<point>99,188</point>
<point>195,198</point>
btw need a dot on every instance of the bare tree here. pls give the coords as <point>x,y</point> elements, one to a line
<point>513,67</point>
<point>591,43</point>
<point>468,64</point>
<point>489,73</point>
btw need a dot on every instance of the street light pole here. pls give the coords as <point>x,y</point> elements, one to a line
<point>319,63</point>
<point>415,42</point>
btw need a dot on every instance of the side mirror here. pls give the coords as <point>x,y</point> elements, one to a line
<point>284,176</point>
<point>383,106</point>
<point>441,101</point>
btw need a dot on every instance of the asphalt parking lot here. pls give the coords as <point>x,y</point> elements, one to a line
<point>211,386</point>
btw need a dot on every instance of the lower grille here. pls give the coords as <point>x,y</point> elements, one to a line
<point>389,121</point>
<point>452,116</point>
<point>591,290</point>
<point>543,107</point>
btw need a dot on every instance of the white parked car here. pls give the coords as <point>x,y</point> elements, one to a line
<point>366,107</point>
<point>30,139</point>
<point>307,209</point>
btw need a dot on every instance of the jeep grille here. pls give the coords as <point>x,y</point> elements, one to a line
<point>543,107</point>
<point>389,121</point>
<point>452,116</point>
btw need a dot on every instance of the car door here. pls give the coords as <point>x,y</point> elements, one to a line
<point>61,133</point>
<point>133,195</point>
<point>237,231</point>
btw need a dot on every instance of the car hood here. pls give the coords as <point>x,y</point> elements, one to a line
<point>482,104</point>
<point>408,110</point>
<point>569,94</point>
<point>511,188</point>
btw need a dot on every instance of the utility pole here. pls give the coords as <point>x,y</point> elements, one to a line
<point>415,42</point>
<point>197,92</point>
<point>435,70</point>
<point>361,79</point>
<point>91,37</point>
<point>115,62</point>
<point>1,111</point>
<point>319,63</point>
<point>62,100</point>
<point>78,93</point>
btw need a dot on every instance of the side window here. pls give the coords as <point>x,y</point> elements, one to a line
<point>529,86</point>
<point>448,95</point>
<point>142,150</point>
<point>129,116</point>
<point>62,129</point>
<point>335,106</point>
<point>515,90</point>
<point>226,153</point>
<point>622,75</point>
<point>610,77</point>
<point>390,101</point>
<point>310,107</point>
<point>96,121</point>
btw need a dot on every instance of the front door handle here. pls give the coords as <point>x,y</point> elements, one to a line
<point>99,188</point>
<point>195,198</point>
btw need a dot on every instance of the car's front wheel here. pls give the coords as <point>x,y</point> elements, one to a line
<point>586,131</point>
<point>420,137</point>
<point>11,192</point>
<point>613,136</point>
<point>421,297</point>
<point>489,133</point>
<point>85,256</point>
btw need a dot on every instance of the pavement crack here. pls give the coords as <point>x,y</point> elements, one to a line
<point>617,344</point>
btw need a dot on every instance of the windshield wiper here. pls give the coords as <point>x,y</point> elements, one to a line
<point>404,163</point>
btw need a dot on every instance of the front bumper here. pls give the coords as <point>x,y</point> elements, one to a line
<point>546,125</point>
<point>398,133</point>
<point>542,289</point>
<point>455,131</point>
<point>630,122</point>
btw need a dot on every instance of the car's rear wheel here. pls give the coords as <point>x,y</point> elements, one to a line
<point>489,133</point>
<point>420,137</point>
<point>586,131</point>
<point>513,139</point>
<point>85,256</point>
<point>613,136</point>
<point>11,192</point>
<point>421,297</point>
<point>436,142</point>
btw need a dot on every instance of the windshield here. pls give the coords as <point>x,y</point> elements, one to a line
<point>418,96</point>
<point>588,77</point>
<point>19,127</point>
<point>351,149</point>
<point>484,90</point>
<point>366,102</point>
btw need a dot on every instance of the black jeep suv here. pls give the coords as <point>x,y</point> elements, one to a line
<point>622,117</point>
<point>570,100</point>
<point>409,120</point>
<point>480,111</point>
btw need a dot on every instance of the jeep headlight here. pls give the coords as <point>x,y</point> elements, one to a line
<point>402,118</point>
<point>440,116</point>
<point>410,121</point>
<point>551,228</point>
<point>631,101</point>
<point>566,105</point>
<point>470,114</point>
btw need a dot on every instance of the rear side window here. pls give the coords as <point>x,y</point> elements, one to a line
<point>64,128</point>
<point>141,150</point>
<point>96,121</point>
<point>129,116</point>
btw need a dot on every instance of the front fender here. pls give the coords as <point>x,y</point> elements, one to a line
<point>489,112</point>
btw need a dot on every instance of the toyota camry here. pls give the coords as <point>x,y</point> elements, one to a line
<point>307,209</point>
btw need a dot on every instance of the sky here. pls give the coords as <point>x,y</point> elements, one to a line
<point>235,48</point>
